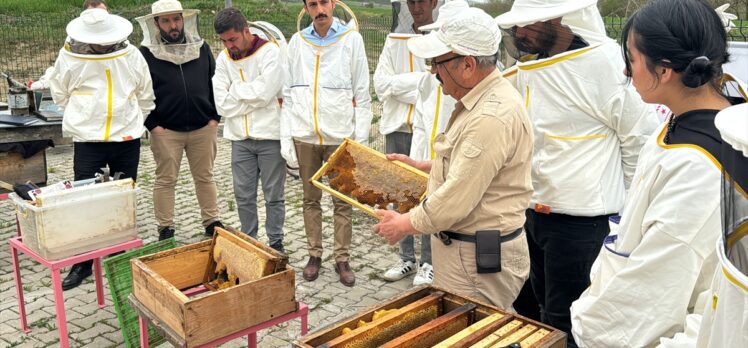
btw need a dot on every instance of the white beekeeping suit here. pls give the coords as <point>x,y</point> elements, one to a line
<point>251,104</point>
<point>433,108</point>
<point>326,92</point>
<point>433,111</point>
<point>398,72</point>
<point>105,97</point>
<point>586,120</point>
<point>651,285</point>
<point>725,321</point>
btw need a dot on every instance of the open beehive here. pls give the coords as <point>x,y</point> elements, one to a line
<point>433,317</point>
<point>180,287</point>
<point>366,179</point>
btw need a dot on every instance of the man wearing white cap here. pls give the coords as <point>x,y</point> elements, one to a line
<point>479,183</point>
<point>589,126</point>
<point>325,100</point>
<point>185,120</point>
<point>396,84</point>
<point>103,85</point>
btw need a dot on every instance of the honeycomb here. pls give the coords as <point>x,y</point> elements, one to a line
<point>374,181</point>
<point>235,264</point>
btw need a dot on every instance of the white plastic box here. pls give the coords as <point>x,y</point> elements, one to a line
<point>78,220</point>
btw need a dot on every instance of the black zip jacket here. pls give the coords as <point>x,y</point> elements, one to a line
<point>184,93</point>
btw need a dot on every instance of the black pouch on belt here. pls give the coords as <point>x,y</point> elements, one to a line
<point>488,251</point>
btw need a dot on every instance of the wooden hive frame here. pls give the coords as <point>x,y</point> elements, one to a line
<point>484,321</point>
<point>159,279</point>
<point>317,178</point>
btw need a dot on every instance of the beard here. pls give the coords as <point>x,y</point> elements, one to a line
<point>543,43</point>
<point>172,36</point>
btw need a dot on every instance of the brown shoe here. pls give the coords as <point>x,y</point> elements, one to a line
<point>347,277</point>
<point>311,271</point>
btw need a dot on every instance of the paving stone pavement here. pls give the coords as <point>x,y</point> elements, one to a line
<point>90,326</point>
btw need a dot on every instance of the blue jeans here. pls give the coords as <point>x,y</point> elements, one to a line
<point>253,161</point>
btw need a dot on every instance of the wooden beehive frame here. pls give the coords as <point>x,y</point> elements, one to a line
<point>506,326</point>
<point>274,263</point>
<point>158,281</point>
<point>317,178</point>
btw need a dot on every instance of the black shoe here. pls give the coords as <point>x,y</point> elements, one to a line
<point>79,272</point>
<point>211,229</point>
<point>165,233</point>
<point>278,247</point>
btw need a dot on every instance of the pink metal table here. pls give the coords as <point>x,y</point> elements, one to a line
<point>144,316</point>
<point>16,244</point>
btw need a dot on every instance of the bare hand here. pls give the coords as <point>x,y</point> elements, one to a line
<point>393,226</point>
<point>421,165</point>
<point>213,123</point>
<point>158,130</point>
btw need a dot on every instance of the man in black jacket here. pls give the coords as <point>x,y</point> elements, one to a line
<point>185,119</point>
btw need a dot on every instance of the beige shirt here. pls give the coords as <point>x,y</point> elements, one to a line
<point>480,177</point>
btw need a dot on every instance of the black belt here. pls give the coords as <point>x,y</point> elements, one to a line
<point>447,236</point>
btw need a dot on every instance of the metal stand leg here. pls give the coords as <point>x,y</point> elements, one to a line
<point>62,326</point>
<point>252,340</point>
<point>304,324</point>
<point>143,332</point>
<point>19,289</point>
<point>99,282</point>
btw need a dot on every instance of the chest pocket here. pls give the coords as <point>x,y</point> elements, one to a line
<point>443,150</point>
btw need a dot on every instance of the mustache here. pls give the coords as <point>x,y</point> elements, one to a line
<point>321,15</point>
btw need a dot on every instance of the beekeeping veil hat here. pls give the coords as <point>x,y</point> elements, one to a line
<point>580,16</point>
<point>403,12</point>
<point>181,52</point>
<point>268,32</point>
<point>99,27</point>
<point>732,124</point>
<point>471,33</point>
<point>342,13</point>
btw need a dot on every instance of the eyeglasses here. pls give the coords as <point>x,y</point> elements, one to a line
<point>434,63</point>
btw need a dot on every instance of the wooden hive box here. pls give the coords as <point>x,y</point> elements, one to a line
<point>160,281</point>
<point>374,182</point>
<point>433,317</point>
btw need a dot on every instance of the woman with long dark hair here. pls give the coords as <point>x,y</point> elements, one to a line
<point>656,266</point>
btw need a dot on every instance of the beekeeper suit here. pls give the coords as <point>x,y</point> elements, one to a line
<point>396,80</point>
<point>325,100</point>
<point>398,73</point>
<point>433,110</point>
<point>103,85</point>
<point>650,282</point>
<point>725,321</point>
<point>247,84</point>
<point>589,127</point>
<point>105,97</point>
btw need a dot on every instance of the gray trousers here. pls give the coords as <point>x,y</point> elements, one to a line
<point>252,161</point>
<point>399,142</point>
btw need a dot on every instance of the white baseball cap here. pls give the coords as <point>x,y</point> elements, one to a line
<point>471,33</point>
<point>526,12</point>
<point>99,27</point>
<point>449,10</point>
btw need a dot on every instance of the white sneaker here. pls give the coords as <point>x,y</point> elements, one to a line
<point>400,271</point>
<point>424,276</point>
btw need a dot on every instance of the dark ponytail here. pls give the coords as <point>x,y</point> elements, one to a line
<point>684,35</point>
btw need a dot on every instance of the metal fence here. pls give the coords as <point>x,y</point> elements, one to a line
<point>29,44</point>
